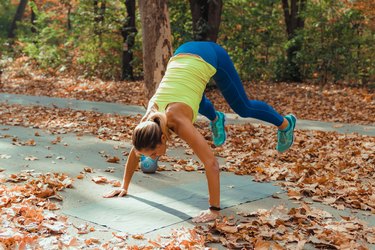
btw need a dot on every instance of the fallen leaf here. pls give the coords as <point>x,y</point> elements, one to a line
<point>138,237</point>
<point>31,158</point>
<point>88,170</point>
<point>116,183</point>
<point>113,159</point>
<point>4,156</point>
<point>100,180</point>
<point>189,168</point>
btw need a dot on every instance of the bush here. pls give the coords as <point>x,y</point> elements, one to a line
<point>336,43</point>
<point>337,46</point>
<point>45,40</point>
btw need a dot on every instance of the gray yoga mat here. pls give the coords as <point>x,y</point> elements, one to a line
<point>148,211</point>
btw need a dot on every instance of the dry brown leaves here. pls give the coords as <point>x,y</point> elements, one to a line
<point>25,216</point>
<point>281,228</point>
<point>62,121</point>
<point>332,168</point>
<point>27,220</point>
<point>103,180</point>
<point>180,239</point>
<point>330,103</point>
<point>22,80</point>
<point>310,102</point>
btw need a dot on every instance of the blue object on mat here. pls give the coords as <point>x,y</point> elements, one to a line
<point>148,165</point>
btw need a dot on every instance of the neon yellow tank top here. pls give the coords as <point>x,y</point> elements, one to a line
<point>184,81</point>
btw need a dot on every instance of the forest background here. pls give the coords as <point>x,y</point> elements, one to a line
<point>331,41</point>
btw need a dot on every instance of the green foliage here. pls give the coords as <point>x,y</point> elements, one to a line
<point>289,68</point>
<point>91,47</point>
<point>335,45</point>
<point>252,34</point>
<point>98,44</point>
<point>47,42</point>
<point>6,17</point>
<point>181,22</point>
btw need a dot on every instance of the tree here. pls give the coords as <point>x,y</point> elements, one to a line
<point>128,32</point>
<point>33,17</point>
<point>17,17</point>
<point>1,72</point>
<point>206,16</point>
<point>68,5</point>
<point>157,46</point>
<point>99,18</point>
<point>294,22</point>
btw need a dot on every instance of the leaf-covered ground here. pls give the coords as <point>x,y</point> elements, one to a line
<point>334,169</point>
<point>312,102</point>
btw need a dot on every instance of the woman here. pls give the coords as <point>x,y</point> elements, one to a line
<point>175,106</point>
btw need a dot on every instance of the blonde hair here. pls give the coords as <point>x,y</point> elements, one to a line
<point>147,134</point>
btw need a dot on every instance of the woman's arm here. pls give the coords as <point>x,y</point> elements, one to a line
<point>184,128</point>
<point>189,133</point>
<point>130,166</point>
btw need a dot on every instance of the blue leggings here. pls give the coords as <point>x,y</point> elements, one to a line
<point>229,83</point>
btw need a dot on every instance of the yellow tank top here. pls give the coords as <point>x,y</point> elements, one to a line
<point>184,81</point>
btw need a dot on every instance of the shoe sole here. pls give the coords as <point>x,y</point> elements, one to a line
<point>294,125</point>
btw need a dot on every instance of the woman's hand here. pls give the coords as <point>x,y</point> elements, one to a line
<point>117,192</point>
<point>206,216</point>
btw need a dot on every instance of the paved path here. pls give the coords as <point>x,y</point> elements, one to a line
<point>158,202</point>
<point>105,107</point>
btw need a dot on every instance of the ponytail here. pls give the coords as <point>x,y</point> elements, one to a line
<point>148,134</point>
<point>160,119</point>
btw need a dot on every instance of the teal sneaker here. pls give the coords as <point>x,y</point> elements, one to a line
<point>285,138</point>
<point>218,129</point>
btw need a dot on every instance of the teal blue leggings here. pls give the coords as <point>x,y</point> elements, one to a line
<point>229,83</point>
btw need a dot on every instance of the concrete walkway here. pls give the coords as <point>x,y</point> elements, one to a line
<point>157,202</point>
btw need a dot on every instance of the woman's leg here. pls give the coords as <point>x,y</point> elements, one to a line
<point>230,85</point>
<point>232,89</point>
<point>207,53</point>
<point>217,119</point>
<point>207,109</point>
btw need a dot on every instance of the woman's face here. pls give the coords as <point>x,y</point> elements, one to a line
<point>155,153</point>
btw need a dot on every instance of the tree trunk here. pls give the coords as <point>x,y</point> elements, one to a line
<point>99,18</point>
<point>96,16</point>
<point>33,19</point>
<point>1,72</point>
<point>128,33</point>
<point>157,46</point>
<point>17,17</point>
<point>294,22</point>
<point>69,12</point>
<point>206,15</point>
